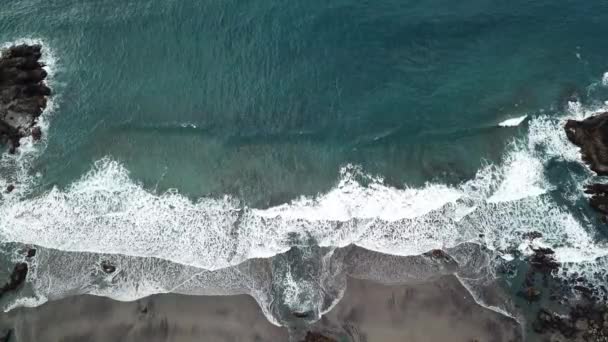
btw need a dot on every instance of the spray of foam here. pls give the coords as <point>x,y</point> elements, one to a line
<point>14,168</point>
<point>513,122</point>
<point>106,212</point>
<point>167,243</point>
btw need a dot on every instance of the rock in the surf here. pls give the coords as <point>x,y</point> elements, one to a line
<point>16,278</point>
<point>23,94</point>
<point>599,198</point>
<point>591,135</point>
<point>107,267</point>
<point>585,322</point>
<point>31,252</point>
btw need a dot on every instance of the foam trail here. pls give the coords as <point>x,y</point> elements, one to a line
<point>513,122</point>
<point>106,212</point>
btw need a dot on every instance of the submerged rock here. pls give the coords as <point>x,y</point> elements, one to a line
<point>16,279</point>
<point>31,252</point>
<point>599,198</point>
<point>531,294</point>
<point>585,322</point>
<point>543,260</point>
<point>107,267</point>
<point>23,94</point>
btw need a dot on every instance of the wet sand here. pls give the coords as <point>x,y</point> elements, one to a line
<point>438,311</point>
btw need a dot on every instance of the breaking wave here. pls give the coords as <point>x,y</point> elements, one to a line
<point>165,242</point>
<point>107,212</point>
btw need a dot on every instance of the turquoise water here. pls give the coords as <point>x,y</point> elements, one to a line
<point>282,94</point>
<point>351,102</point>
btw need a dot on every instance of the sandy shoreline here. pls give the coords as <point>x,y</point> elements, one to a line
<point>437,311</point>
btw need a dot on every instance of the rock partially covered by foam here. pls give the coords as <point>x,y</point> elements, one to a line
<point>585,322</point>
<point>591,135</point>
<point>16,279</point>
<point>599,198</point>
<point>23,93</point>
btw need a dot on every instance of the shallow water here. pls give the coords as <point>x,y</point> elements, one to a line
<point>204,134</point>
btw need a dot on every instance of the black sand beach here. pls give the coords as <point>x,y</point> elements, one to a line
<point>438,311</point>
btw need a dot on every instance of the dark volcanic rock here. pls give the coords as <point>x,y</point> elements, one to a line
<point>36,133</point>
<point>543,261</point>
<point>16,279</point>
<point>599,198</point>
<point>591,135</point>
<point>107,267</point>
<point>22,93</point>
<point>10,188</point>
<point>586,322</point>
<point>31,252</point>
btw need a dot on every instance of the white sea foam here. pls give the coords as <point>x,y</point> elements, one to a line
<point>513,122</point>
<point>350,200</point>
<point>605,79</point>
<point>107,212</point>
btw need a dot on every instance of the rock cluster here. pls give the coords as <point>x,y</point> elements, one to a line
<point>585,322</point>
<point>591,135</point>
<point>599,198</point>
<point>542,262</point>
<point>588,316</point>
<point>23,93</point>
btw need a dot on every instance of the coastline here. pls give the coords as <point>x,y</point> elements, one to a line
<point>432,311</point>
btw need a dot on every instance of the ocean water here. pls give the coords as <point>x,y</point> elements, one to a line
<point>218,147</point>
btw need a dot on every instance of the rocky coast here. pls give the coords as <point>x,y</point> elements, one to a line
<point>23,94</point>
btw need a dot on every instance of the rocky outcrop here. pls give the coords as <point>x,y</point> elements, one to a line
<point>16,279</point>
<point>23,93</point>
<point>591,135</point>
<point>599,198</point>
<point>585,322</point>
